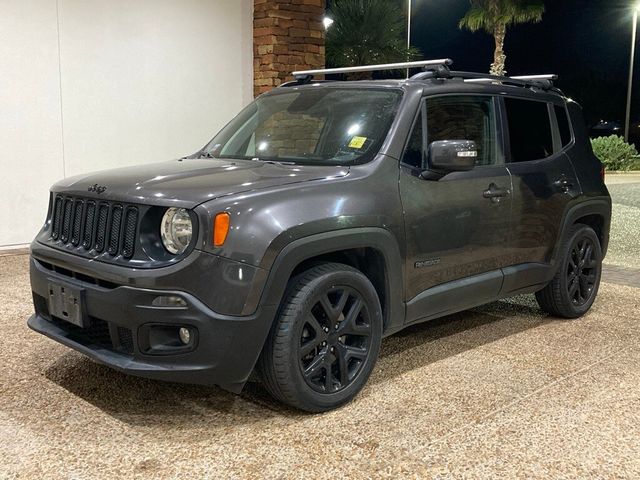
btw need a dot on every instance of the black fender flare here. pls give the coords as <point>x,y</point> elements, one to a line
<point>311,246</point>
<point>600,206</point>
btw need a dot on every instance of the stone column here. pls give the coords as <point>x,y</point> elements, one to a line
<point>288,35</point>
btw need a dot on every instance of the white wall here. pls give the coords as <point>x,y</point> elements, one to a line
<point>94,84</point>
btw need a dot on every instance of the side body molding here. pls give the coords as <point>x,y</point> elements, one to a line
<point>306,248</point>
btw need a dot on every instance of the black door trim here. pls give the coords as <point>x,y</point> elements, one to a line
<point>455,296</point>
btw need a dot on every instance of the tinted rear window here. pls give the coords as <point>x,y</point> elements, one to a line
<point>529,130</point>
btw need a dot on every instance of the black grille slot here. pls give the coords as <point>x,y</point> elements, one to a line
<point>126,340</point>
<point>101,230</point>
<point>77,223</point>
<point>114,235</point>
<point>130,227</point>
<point>41,305</point>
<point>56,221</point>
<point>66,222</point>
<point>89,221</point>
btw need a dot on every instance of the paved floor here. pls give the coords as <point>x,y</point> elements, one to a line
<point>624,250</point>
<point>498,392</point>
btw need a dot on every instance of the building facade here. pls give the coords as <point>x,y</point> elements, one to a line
<point>88,85</point>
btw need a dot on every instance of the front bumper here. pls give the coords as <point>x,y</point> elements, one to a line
<point>118,320</point>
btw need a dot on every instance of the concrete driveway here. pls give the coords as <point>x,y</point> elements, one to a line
<point>498,392</point>
<point>622,264</point>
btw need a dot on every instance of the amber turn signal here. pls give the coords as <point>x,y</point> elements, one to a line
<point>220,228</point>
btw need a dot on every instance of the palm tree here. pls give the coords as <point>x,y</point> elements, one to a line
<point>494,16</point>
<point>367,32</point>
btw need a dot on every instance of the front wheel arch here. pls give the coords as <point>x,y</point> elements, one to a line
<point>322,246</point>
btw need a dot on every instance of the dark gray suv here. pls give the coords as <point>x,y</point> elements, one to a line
<point>324,217</point>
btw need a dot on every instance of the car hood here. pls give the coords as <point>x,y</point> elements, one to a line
<point>190,182</point>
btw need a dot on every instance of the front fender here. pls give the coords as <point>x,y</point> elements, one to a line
<point>303,249</point>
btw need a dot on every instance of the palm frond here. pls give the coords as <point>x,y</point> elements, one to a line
<point>486,14</point>
<point>476,19</point>
<point>367,32</point>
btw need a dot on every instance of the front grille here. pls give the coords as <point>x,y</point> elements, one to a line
<point>92,225</point>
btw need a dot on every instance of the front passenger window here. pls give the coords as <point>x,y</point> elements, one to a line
<point>464,118</point>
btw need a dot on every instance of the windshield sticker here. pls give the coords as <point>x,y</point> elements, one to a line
<point>357,142</point>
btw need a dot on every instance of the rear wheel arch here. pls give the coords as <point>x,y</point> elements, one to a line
<point>596,221</point>
<point>596,213</point>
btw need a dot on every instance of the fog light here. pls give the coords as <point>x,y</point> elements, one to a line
<point>168,301</point>
<point>185,335</point>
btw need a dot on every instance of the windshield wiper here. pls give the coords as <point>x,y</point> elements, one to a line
<point>273,162</point>
<point>206,155</point>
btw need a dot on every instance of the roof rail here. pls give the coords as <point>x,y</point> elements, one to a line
<point>544,82</point>
<point>307,75</point>
<point>537,80</point>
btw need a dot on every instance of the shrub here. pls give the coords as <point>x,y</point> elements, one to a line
<point>614,152</point>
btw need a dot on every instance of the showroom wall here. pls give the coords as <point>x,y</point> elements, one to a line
<point>91,84</point>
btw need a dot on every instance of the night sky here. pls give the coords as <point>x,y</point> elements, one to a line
<point>586,42</point>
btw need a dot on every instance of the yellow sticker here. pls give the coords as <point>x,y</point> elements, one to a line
<point>357,142</point>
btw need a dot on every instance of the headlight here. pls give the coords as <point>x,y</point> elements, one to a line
<point>176,230</point>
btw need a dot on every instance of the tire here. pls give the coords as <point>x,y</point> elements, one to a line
<point>325,341</point>
<point>575,285</point>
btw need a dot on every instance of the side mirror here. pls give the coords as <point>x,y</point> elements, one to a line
<point>453,155</point>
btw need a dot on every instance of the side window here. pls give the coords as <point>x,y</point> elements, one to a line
<point>414,153</point>
<point>529,129</point>
<point>563,125</point>
<point>464,118</point>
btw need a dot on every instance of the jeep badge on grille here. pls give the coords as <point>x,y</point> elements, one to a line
<point>96,188</point>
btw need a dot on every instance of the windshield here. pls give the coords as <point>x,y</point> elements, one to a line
<point>323,126</point>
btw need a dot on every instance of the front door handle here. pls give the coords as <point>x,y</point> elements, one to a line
<point>495,193</point>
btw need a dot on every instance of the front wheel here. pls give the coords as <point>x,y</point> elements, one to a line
<point>573,290</point>
<point>326,339</point>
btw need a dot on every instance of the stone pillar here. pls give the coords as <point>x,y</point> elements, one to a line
<point>288,35</point>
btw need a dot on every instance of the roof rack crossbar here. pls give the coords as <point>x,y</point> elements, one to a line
<point>307,74</point>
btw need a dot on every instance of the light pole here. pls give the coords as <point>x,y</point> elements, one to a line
<point>631,64</point>
<point>409,29</point>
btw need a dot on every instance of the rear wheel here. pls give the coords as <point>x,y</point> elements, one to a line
<point>573,290</point>
<point>326,339</point>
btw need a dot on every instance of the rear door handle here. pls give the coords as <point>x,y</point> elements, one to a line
<point>494,193</point>
<point>563,184</point>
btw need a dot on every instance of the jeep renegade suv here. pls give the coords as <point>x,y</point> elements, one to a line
<point>324,217</point>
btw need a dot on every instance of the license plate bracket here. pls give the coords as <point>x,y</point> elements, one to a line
<point>66,302</point>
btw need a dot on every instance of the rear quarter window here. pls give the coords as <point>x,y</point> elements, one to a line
<point>563,125</point>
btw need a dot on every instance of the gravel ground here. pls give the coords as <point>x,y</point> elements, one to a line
<point>624,249</point>
<point>498,392</point>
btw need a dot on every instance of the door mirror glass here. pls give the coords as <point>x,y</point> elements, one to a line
<point>453,155</point>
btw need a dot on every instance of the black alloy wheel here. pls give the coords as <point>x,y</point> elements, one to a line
<point>582,271</point>
<point>324,344</point>
<point>574,288</point>
<point>335,340</point>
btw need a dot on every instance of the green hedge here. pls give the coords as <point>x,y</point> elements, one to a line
<point>615,153</point>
